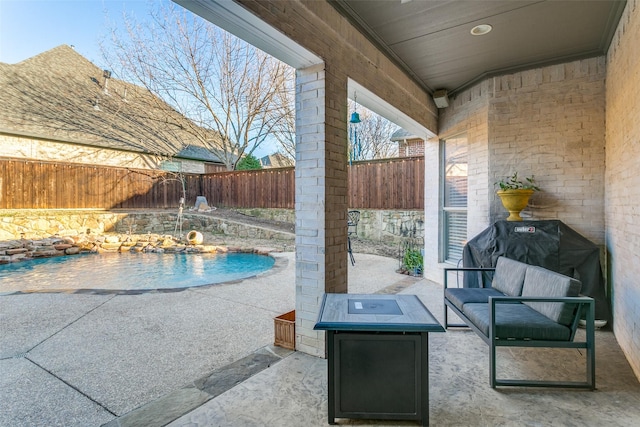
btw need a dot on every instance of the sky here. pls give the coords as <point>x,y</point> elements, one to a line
<point>30,27</point>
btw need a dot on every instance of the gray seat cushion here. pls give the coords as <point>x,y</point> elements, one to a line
<point>509,276</point>
<point>540,282</point>
<point>516,321</point>
<point>461,296</point>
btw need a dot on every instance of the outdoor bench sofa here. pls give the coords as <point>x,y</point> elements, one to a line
<point>524,306</point>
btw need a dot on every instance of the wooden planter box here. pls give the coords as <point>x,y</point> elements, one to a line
<point>285,330</point>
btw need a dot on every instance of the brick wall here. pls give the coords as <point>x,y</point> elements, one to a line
<point>345,49</point>
<point>623,181</point>
<point>411,147</point>
<point>310,189</point>
<point>467,114</point>
<point>432,270</point>
<point>549,122</point>
<point>321,139</point>
<point>22,147</point>
<point>552,122</point>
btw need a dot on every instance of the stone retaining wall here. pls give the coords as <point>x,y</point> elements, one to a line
<point>375,224</point>
<point>40,224</point>
<point>378,225</point>
<point>389,226</point>
<point>282,215</point>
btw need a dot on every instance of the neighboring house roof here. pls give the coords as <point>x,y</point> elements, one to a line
<point>197,153</point>
<point>401,135</point>
<point>60,95</point>
<point>409,145</point>
<point>276,160</point>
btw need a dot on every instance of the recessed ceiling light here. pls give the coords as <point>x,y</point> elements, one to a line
<point>480,30</point>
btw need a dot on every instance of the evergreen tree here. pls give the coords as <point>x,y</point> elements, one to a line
<point>248,162</point>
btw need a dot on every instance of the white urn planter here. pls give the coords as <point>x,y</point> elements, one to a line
<point>195,238</point>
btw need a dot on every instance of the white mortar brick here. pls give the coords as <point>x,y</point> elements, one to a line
<point>623,181</point>
<point>536,122</point>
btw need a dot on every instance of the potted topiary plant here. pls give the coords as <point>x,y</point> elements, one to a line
<point>515,193</point>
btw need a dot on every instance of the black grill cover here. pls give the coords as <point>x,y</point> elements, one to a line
<point>550,244</point>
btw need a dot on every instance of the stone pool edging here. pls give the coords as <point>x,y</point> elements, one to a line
<point>36,233</point>
<point>28,249</point>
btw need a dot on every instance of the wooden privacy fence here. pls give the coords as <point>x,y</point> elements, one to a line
<point>374,184</point>
<point>265,188</point>
<point>28,184</point>
<point>387,184</point>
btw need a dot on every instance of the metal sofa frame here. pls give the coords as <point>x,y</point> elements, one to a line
<point>584,305</point>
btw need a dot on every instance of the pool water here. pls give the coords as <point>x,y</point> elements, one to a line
<point>129,271</point>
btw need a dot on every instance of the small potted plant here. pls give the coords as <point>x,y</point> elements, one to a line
<point>515,193</point>
<point>413,261</point>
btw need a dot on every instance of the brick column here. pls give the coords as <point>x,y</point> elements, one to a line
<point>321,198</point>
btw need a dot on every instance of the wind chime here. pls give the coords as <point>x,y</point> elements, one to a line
<point>354,136</point>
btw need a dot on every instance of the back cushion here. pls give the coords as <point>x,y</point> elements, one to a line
<point>539,282</point>
<point>509,276</point>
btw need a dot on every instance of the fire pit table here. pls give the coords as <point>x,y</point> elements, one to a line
<point>378,356</point>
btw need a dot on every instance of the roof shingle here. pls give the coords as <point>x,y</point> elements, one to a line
<point>60,95</point>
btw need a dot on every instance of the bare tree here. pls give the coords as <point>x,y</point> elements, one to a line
<point>374,133</point>
<point>228,89</point>
<point>374,130</point>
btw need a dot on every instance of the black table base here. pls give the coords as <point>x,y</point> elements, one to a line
<point>378,376</point>
<point>378,356</point>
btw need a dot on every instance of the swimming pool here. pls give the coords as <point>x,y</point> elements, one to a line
<point>129,271</point>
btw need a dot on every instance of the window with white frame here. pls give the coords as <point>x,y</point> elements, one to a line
<point>454,198</point>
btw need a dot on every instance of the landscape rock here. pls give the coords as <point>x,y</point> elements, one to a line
<point>74,250</point>
<point>16,251</point>
<point>110,246</point>
<point>112,239</point>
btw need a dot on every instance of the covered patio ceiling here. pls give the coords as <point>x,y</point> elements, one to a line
<point>432,41</point>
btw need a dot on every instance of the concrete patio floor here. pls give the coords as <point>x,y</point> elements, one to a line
<point>156,358</point>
